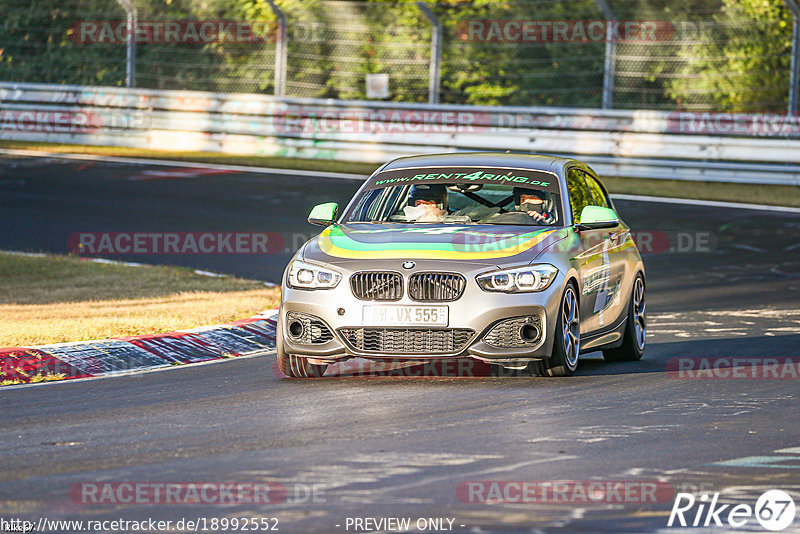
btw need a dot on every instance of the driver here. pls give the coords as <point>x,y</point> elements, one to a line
<point>428,202</point>
<point>535,203</point>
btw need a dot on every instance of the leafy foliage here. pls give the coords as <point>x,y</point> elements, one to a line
<point>726,55</point>
<point>740,62</point>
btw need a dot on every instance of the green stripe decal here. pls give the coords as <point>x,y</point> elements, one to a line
<point>403,243</point>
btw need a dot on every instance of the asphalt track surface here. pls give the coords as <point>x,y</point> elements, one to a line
<point>378,446</point>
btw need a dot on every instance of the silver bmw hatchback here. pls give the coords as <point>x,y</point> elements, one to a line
<point>516,260</point>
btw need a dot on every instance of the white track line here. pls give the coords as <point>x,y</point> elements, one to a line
<point>29,254</point>
<point>345,176</point>
<point>711,203</point>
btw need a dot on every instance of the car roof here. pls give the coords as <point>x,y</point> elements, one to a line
<point>482,159</point>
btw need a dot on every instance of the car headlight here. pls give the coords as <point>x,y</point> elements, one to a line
<point>518,279</point>
<point>303,275</point>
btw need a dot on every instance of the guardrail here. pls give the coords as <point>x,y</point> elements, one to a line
<point>689,146</point>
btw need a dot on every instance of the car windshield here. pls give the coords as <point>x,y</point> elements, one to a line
<point>454,196</point>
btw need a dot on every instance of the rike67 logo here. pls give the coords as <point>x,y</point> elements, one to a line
<point>774,510</point>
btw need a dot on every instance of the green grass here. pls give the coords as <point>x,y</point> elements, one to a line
<point>54,278</point>
<point>779,195</point>
<point>775,195</point>
<point>55,299</point>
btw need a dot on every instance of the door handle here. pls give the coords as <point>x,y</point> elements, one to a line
<point>619,237</point>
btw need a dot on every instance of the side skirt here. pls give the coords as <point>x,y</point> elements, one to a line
<point>608,339</point>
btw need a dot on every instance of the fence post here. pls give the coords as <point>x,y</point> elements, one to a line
<point>610,57</point>
<point>434,77</point>
<point>281,50</point>
<point>130,54</point>
<point>794,77</point>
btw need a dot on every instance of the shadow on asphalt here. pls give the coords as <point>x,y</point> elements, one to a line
<point>659,358</point>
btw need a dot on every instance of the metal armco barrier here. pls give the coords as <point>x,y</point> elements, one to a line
<point>648,144</point>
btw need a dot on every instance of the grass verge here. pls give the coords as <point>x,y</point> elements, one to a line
<point>777,195</point>
<point>277,162</point>
<point>774,195</point>
<point>55,299</point>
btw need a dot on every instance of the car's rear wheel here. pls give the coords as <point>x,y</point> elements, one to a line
<point>567,342</point>
<point>633,340</point>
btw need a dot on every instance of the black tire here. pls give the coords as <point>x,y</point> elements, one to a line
<point>566,343</point>
<point>634,338</point>
<point>298,367</point>
<point>293,366</point>
<point>538,368</point>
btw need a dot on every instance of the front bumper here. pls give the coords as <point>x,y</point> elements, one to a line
<point>476,310</point>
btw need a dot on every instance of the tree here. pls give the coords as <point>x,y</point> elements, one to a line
<point>739,63</point>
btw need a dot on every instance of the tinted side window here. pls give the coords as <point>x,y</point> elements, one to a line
<point>597,192</point>
<point>579,194</point>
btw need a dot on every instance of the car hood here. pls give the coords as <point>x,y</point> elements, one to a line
<point>479,244</point>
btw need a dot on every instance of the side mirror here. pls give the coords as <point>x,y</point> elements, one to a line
<point>597,218</point>
<point>323,214</point>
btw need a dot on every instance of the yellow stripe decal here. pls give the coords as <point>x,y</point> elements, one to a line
<point>329,248</point>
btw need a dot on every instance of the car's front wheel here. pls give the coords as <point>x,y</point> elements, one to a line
<point>567,342</point>
<point>293,366</point>
<point>297,367</point>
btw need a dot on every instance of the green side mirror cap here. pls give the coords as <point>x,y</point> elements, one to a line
<point>597,217</point>
<point>323,214</point>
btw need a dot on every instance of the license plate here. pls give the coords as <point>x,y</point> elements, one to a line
<point>397,315</point>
